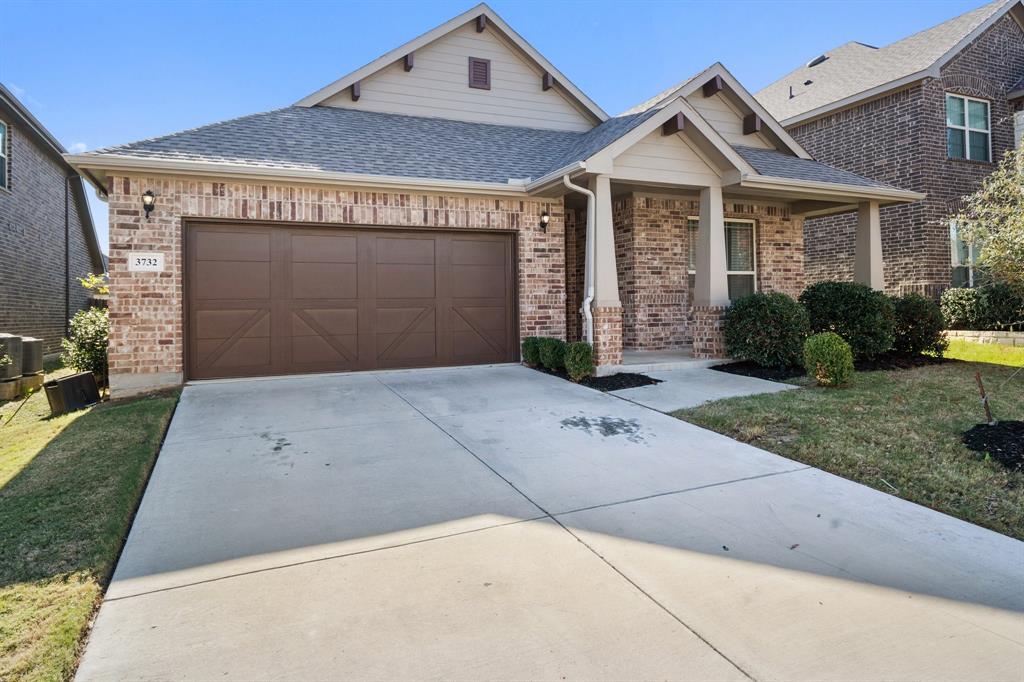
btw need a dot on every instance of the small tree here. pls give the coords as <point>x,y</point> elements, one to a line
<point>993,219</point>
<point>98,283</point>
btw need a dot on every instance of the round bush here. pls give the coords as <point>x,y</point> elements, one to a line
<point>1004,307</point>
<point>768,329</point>
<point>863,317</point>
<point>531,350</point>
<point>86,347</point>
<point>828,359</point>
<point>919,326</point>
<point>579,360</point>
<point>552,353</point>
<point>963,308</point>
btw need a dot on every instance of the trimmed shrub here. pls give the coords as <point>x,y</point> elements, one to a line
<point>552,354</point>
<point>768,329</point>
<point>531,350</point>
<point>963,308</point>
<point>919,326</point>
<point>86,348</point>
<point>863,317</point>
<point>1004,309</point>
<point>579,360</point>
<point>992,307</point>
<point>828,359</point>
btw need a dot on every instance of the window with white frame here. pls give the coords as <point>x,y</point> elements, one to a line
<point>740,261</point>
<point>968,133</point>
<point>964,256</point>
<point>3,154</point>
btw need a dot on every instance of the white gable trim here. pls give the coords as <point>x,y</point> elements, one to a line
<point>687,88</point>
<point>1016,8</point>
<point>494,23</point>
<point>606,156</point>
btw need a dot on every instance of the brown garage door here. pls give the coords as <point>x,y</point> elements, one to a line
<point>268,300</point>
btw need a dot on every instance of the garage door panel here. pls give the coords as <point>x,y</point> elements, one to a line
<point>231,280</point>
<point>479,281</point>
<point>398,320</point>
<point>478,252</point>
<point>406,250</point>
<point>403,280</point>
<point>282,300</point>
<point>213,354</point>
<point>325,280</point>
<point>320,248</point>
<point>333,350</point>
<point>232,245</point>
<point>223,324</point>
<point>342,321</point>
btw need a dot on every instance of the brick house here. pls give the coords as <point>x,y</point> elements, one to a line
<point>47,229</point>
<point>443,202</point>
<point>933,112</point>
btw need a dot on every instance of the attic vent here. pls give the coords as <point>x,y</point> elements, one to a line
<point>817,60</point>
<point>480,73</point>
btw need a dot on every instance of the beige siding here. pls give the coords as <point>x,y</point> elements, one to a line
<point>726,119</point>
<point>665,159</point>
<point>438,86</point>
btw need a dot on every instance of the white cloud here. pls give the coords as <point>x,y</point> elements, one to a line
<point>78,147</point>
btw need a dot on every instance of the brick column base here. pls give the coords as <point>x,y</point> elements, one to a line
<point>608,336</point>
<point>708,332</point>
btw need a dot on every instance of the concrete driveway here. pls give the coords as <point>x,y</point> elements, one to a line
<point>498,523</point>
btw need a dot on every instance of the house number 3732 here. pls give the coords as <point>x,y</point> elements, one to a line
<point>145,261</point>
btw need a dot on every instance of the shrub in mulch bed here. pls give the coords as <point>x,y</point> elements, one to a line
<point>612,382</point>
<point>749,368</point>
<point>883,363</point>
<point>1002,441</point>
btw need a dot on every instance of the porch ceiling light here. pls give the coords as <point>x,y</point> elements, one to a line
<point>545,218</point>
<point>148,202</point>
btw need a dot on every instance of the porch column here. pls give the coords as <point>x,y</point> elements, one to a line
<point>867,265</point>
<point>607,308</point>
<point>711,284</point>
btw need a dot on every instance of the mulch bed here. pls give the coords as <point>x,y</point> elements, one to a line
<point>752,369</point>
<point>612,382</point>
<point>882,363</point>
<point>1002,441</point>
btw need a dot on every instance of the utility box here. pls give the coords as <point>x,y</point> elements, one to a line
<point>10,345</point>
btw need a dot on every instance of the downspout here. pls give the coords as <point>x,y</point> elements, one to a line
<point>588,268</point>
<point>67,260</point>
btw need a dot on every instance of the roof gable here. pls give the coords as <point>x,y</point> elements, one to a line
<point>854,71</point>
<point>526,89</point>
<point>725,108</point>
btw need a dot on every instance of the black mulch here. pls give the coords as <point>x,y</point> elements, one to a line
<point>1002,441</point>
<point>884,362</point>
<point>752,369</point>
<point>612,382</point>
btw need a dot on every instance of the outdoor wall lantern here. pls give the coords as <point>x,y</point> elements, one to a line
<point>545,218</point>
<point>148,201</point>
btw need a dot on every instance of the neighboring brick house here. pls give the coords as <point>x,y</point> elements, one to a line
<point>439,204</point>
<point>933,112</point>
<point>48,240</point>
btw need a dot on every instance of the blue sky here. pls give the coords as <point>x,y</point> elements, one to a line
<point>102,73</point>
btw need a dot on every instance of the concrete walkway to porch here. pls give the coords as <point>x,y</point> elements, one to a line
<point>691,385</point>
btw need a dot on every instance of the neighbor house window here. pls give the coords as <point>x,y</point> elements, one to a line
<point>967,128</point>
<point>740,262</point>
<point>964,256</point>
<point>3,154</point>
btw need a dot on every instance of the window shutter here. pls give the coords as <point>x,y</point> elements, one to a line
<point>480,73</point>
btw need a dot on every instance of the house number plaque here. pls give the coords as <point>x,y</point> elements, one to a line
<point>145,261</point>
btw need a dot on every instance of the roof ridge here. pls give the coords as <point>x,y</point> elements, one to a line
<point>993,6</point>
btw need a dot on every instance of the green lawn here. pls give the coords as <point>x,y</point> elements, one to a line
<point>897,431</point>
<point>68,489</point>
<point>985,352</point>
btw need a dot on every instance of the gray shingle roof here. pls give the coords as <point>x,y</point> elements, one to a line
<point>855,67</point>
<point>779,165</point>
<point>1019,87</point>
<point>332,139</point>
